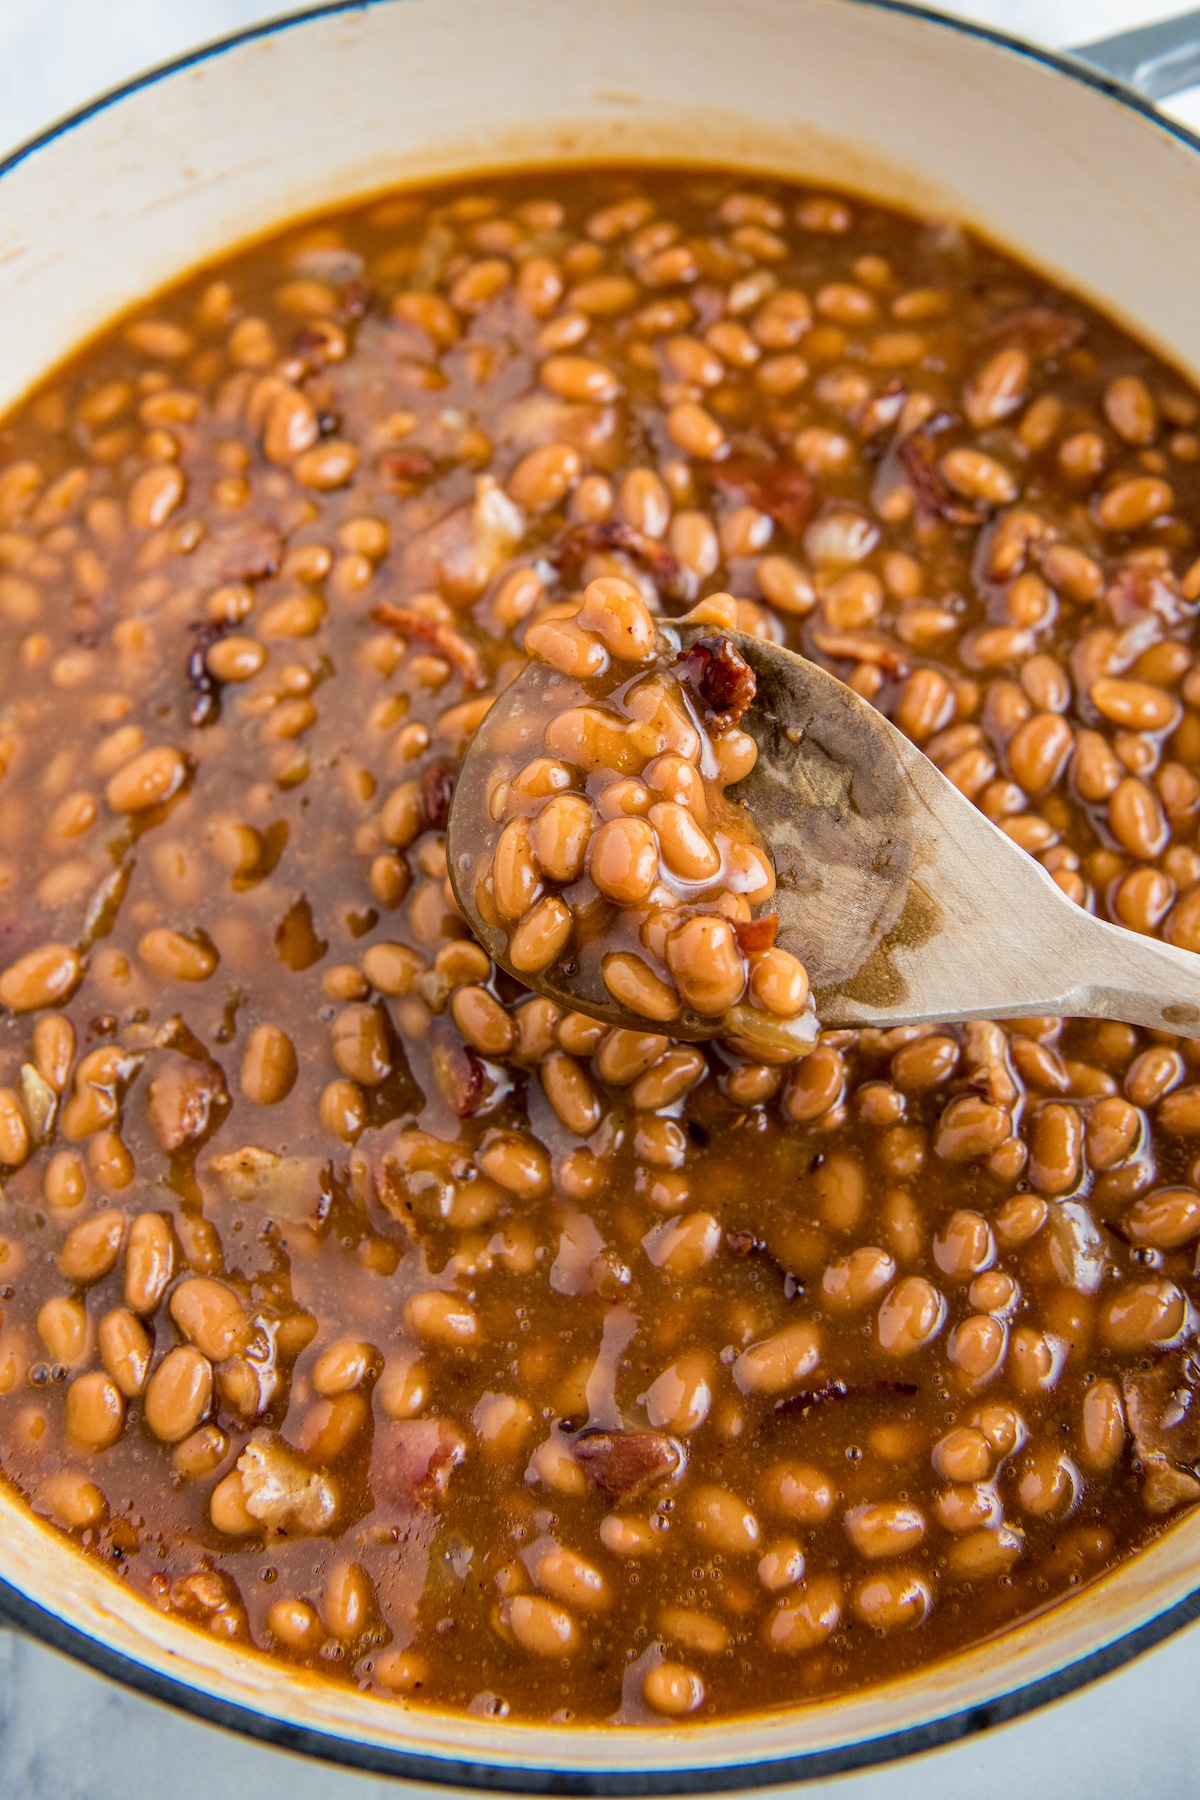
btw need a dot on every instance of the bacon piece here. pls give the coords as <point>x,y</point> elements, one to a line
<point>186,1100</point>
<point>611,535</point>
<point>403,471</point>
<point>624,1464</point>
<point>862,646</point>
<point>756,934</point>
<point>1163,1408</point>
<point>918,454</point>
<point>250,553</point>
<point>1038,329</point>
<point>437,791</point>
<point>1136,594</point>
<point>443,639</point>
<point>282,1490</point>
<point>414,1460</point>
<point>810,1398</point>
<point>722,680</point>
<point>786,494</point>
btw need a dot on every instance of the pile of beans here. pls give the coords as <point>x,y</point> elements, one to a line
<point>359,1306</point>
<point>618,844</point>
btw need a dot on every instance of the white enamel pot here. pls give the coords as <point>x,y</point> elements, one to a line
<point>1069,171</point>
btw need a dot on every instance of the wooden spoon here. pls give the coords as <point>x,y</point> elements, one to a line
<point>906,905</point>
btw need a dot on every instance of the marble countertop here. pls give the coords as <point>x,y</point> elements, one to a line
<point>65,1734</point>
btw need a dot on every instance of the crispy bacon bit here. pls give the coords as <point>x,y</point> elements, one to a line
<point>462,1077</point>
<point>862,646</point>
<point>918,454</point>
<point>251,553</point>
<point>206,689</point>
<point>831,1391</point>
<point>1138,593</point>
<point>437,791</point>
<point>413,1464</point>
<point>612,535</point>
<point>442,639</point>
<point>785,493</point>
<point>756,934</point>
<point>743,1243</point>
<point>1038,329</point>
<point>186,1100</point>
<point>282,1490</point>
<point>721,679</point>
<point>624,1464</point>
<point>356,297</point>
<point>1163,1409</point>
<point>404,472</point>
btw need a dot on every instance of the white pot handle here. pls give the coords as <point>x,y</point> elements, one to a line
<point>1157,60</point>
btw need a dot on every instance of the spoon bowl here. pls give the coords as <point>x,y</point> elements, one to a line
<point>905,903</point>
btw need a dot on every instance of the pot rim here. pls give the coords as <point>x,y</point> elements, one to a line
<point>38,1621</point>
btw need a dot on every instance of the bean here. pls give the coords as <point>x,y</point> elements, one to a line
<point>919,1067</point>
<point>178,1394</point>
<point>672,1076</point>
<point>91,1248</point>
<point>173,957</point>
<point>964,1245</point>
<point>517,1164</point>
<point>125,1350</point>
<point>969,1128</point>
<point>911,1316</point>
<point>16,1145</point>
<point>1141,1314</point>
<point>1179,1113</point>
<point>853,1281</point>
<point>1135,705</point>
<point>1034,1362</point>
<point>150,779</point>
<point>893,1600</point>
<point>62,1325</point>
<point>64,1183</point>
<point>41,978</point>
<point>269,1066</point>
<point>440,1318</point>
<point>149,1262</point>
<point>807,1619</point>
<point>963,1454</point>
<point>545,476</point>
<point>348,1603</point>
<point>1048,1485</point>
<point>1165,1219</point>
<point>342,1110</point>
<point>93,1412</point>
<point>211,1316</point>
<point>997,389</point>
<point>1038,752</point>
<point>616,612</point>
<point>73,1501</point>
<point>539,1626</point>
<point>541,937</point>
<point>569,1577</point>
<point>979,1555</point>
<point>1055,1151</point>
<point>360,1046</point>
<point>703,956</point>
<point>680,1399</point>
<point>560,834</point>
<point>780,1361</point>
<point>391,968</point>
<point>1133,503</point>
<point>1102,1427</point>
<point>978,476</point>
<point>672,1689</point>
<point>1153,1074</point>
<point>1136,818</point>
<point>884,1528</point>
<point>693,430</point>
<point>624,860</point>
<point>722,1521</point>
<point>54,1050</point>
<point>977,1346</point>
<point>635,986</point>
<point>570,1093</point>
<point>818,1084</point>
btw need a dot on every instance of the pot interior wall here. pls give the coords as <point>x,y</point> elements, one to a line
<point>914,112</point>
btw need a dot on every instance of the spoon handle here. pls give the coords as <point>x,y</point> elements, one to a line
<point>1111,973</point>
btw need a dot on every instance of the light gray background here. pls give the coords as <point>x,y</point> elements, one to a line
<point>67,1735</point>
